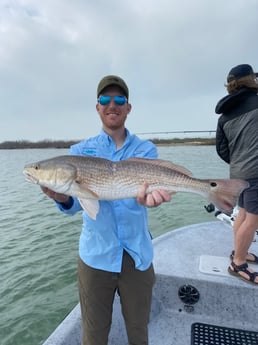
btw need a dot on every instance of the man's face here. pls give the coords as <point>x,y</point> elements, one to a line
<point>113,115</point>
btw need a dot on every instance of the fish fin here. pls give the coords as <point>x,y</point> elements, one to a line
<point>85,190</point>
<point>90,206</point>
<point>224,193</point>
<point>163,163</point>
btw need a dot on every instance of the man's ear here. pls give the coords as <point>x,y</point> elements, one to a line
<point>129,108</point>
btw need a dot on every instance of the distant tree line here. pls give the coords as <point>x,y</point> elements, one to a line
<point>43,144</point>
<point>185,141</point>
<point>63,144</point>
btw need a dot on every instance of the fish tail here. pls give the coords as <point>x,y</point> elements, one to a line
<point>224,193</point>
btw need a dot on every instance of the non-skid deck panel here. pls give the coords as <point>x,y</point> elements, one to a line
<point>204,334</point>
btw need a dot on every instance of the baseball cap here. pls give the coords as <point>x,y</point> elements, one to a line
<point>110,80</point>
<point>240,71</point>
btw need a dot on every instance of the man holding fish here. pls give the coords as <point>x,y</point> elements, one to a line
<point>112,177</point>
<point>115,248</point>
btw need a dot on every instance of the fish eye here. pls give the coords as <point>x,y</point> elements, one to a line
<point>37,167</point>
<point>213,184</point>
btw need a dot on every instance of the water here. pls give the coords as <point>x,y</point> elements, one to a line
<point>38,247</point>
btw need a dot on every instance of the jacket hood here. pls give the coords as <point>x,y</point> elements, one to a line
<point>229,102</point>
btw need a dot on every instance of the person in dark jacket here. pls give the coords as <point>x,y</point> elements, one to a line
<point>237,144</point>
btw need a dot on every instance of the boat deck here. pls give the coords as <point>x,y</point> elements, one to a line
<point>191,262</point>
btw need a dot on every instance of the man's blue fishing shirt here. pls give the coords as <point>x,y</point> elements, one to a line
<point>120,224</point>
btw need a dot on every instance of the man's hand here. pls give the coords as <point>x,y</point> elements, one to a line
<point>153,199</point>
<point>62,198</point>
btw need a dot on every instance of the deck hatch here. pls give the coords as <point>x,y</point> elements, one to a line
<point>204,334</point>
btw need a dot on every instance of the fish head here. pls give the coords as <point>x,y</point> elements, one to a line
<point>224,193</point>
<point>57,176</point>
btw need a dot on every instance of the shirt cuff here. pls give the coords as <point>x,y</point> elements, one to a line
<point>67,205</point>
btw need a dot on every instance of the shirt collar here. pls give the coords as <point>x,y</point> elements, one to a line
<point>108,140</point>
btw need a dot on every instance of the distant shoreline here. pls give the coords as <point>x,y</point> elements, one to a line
<point>62,144</point>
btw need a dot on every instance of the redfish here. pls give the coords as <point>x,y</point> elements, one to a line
<point>91,179</point>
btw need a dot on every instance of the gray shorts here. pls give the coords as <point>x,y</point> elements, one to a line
<point>248,199</point>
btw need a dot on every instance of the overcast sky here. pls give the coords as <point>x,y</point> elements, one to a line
<point>173,54</point>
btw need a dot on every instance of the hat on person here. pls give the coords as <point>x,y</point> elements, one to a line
<point>112,80</point>
<point>240,71</point>
<point>241,77</point>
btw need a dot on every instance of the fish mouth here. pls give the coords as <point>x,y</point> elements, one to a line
<point>30,178</point>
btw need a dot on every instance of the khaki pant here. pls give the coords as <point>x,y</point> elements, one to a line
<point>97,290</point>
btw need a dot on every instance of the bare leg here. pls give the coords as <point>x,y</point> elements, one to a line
<point>239,257</point>
<point>244,228</point>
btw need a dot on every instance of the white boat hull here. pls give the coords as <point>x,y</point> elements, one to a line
<point>189,258</point>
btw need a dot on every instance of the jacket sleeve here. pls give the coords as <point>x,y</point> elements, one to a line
<point>222,143</point>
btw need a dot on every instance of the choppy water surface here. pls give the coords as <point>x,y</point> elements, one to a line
<point>38,247</point>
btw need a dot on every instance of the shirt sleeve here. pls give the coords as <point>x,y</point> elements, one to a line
<point>74,208</point>
<point>152,152</point>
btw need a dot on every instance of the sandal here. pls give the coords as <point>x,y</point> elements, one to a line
<point>255,261</point>
<point>235,269</point>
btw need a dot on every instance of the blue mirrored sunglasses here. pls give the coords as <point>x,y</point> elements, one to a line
<point>105,100</point>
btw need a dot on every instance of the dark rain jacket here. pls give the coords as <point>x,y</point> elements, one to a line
<point>237,133</point>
